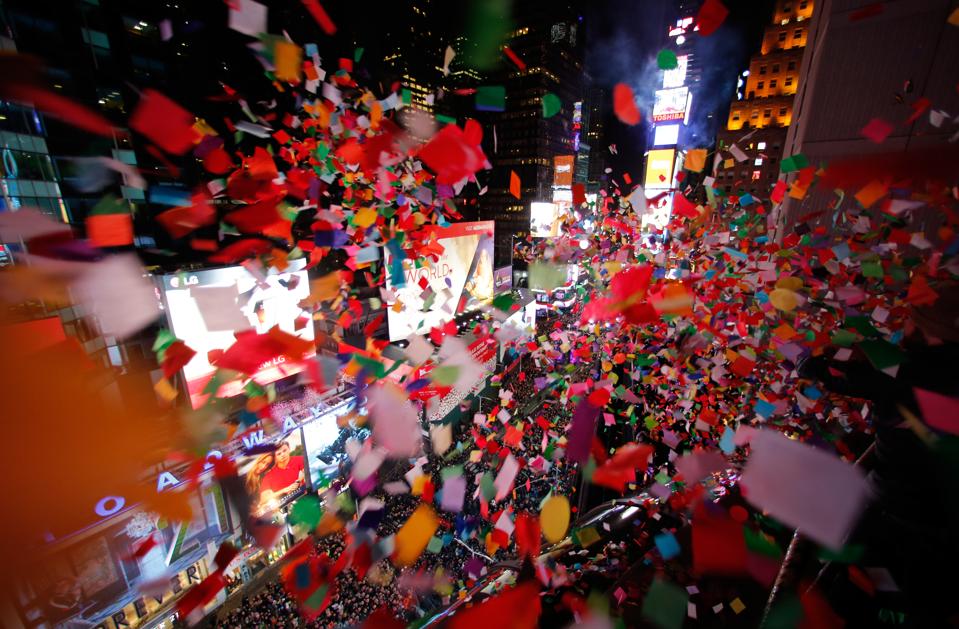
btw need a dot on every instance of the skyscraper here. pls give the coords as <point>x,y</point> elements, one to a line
<point>547,38</point>
<point>760,117</point>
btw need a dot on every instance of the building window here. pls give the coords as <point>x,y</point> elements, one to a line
<point>760,85</point>
<point>758,161</point>
<point>762,69</point>
<point>788,82</point>
<point>755,114</point>
<point>775,68</point>
<point>94,38</point>
<point>760,145</point>
<point>767,113</point>
<point>791,65</point>
<point>782,112</point>
<point>772,84</point>
<point>782,36</point>
<point>797,34</point>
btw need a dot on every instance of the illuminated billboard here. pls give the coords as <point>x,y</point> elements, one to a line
<point>677,76</point>
<point>659,168</point>
<point>670,104</point>
<point>563,170</point>
<point>320,440</point>
<point>274,477</point>
<point>577,123</point>
<point>207,308</point>
<point>437,288</point>
<point>503,279</point>
<point>666,134</point>
<point>544,219</point>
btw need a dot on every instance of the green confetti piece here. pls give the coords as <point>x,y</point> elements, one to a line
<point>665,605</point>
<point>306,512</point>
<point>445,375</point>
<point>551,105</point>
<point>793,163</point>
<point>435,545</point>
<point>544,276</point>
<point>666,59</point>
<point>759,544</point>
<point>882,354</point>
<point>872,269</point>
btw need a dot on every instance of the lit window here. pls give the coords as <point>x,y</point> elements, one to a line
<point>758,161</point>
<point>761,145</point>
<point>756,175</point>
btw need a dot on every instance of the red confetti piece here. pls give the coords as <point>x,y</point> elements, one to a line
<point>320,15</point>
<point>624,104</point>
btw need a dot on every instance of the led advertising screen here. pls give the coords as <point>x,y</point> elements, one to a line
<point>274,478</point>
<point>320,438</point>
<point>206,308</point>
<point>543,219</point>
<point>436,290</point>
<point>563,170</point>
<point>677,76</point>
<point>503,279</point>
<point>670,104</point>
<point>659,168</point>
<point>666,135</point>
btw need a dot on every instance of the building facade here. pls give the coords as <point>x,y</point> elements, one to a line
<point>897,65</point>
<point>548,39</point>
<point>760,116</point>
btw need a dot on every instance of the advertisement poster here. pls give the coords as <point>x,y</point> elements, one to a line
<point>544,219</point>
<point>206,309</point>
<point>670,104</point>
<point>659,169</point>
<point>274,478</point>
<point>503,279</point>
<point>436,290</point>
<point>319,437</point>
<point>563,170</point>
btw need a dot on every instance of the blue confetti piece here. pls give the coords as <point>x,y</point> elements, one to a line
<point>667,545</point>
<point>812,393</point>
<point>726,443</point>
<point>302,572</point>
<point>764,408</point>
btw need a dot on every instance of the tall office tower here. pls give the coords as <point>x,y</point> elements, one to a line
<point>760,117</point>
<point>413,49</point>
<point>596,109</point>
<point>548,38</point>
<point>98,54</point>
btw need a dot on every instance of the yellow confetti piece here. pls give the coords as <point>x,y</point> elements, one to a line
<point>365,217</point>
<point>165,390</point>
<point>414,535</point>
<point>785,300</point>
<point>288,58</point>
<point>554,518</point>
<point>737,605</point>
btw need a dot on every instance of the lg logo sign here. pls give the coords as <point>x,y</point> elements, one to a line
<point>188,280</point>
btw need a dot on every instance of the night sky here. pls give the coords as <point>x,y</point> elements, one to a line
<point>624,37</point>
